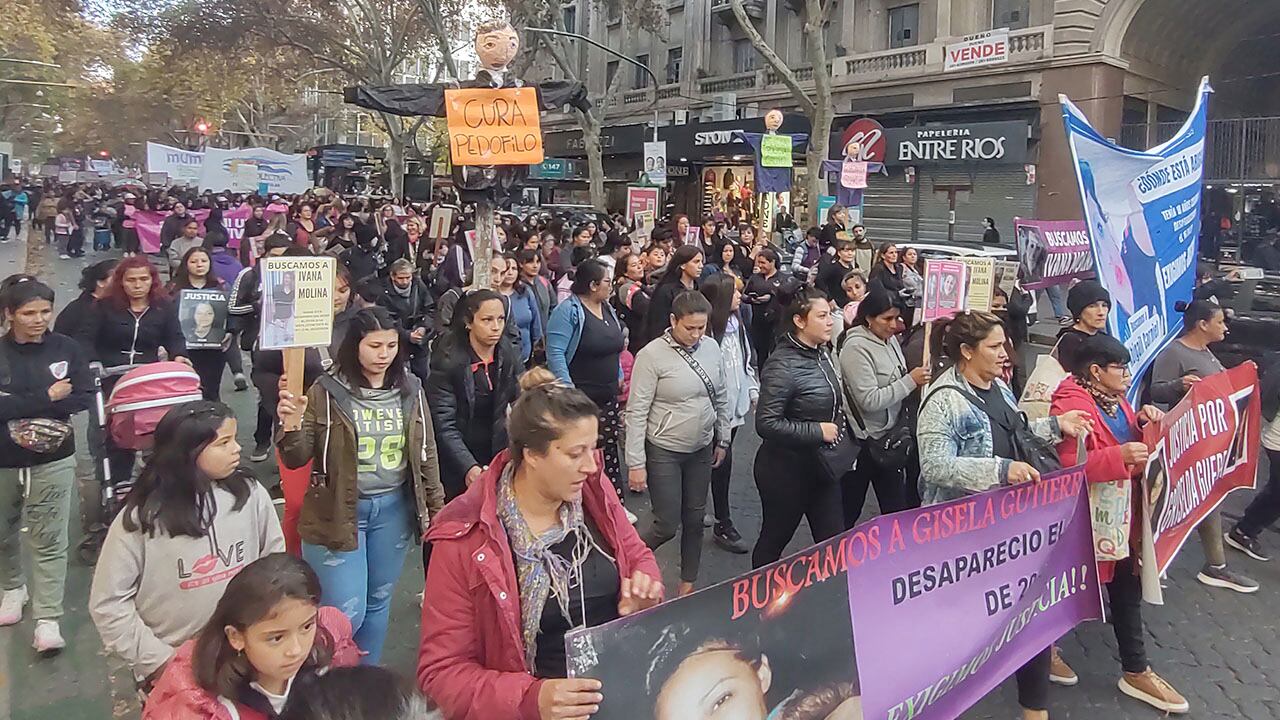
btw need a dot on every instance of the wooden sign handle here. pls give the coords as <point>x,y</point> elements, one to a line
<point>928,341</point>
<point>294,369</point>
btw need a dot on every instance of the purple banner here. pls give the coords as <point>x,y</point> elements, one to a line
<point>1052,252</point>
<point>984,583</point>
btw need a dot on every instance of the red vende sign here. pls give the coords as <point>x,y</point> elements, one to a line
<point>870,135</point>
<point>1204,448</point>
<point>987,48</point>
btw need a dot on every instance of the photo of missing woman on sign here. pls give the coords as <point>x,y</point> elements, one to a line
<point>747,649</point>
<point>202,314</point>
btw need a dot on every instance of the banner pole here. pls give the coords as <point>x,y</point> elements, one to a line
<point>294,368</point>
<point>928,340</point>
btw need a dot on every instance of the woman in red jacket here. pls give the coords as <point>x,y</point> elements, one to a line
<point>537,545</point>
<point>267,635</point>
<point>1115,451</point>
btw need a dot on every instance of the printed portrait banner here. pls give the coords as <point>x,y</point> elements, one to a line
<point>1203,449</point>
<point>767,618</point>
<point>148,222</point>
<point>202,315</point>
<point>945,294</point>
<point>980,282</point>
<point>1052,252</point>
<point>641,199</point>
<point>181,167</point>
<point>235,170</point>
<point>655,162</point>
<point>297,302</point>
<point>952,599</point>
<point>1006,276</point>
<point>494,127</point>
<point>1142,211</point>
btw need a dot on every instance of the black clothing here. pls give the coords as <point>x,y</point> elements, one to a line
<point>1069,340</point>
<point>892,494</point>
<point>27,370</point>
<point>830,233</point>
<point>890,281</point>
<point>1004,419</point>
<point>798,390</point>
<point>991,236</point>
<point>793,487</point>
<point>594,367</point>
<point>767,296</point>
<point>593,600</point>
<point>121,337</point>
<point>830,278</point>
<point>362,262</point>
<point>171,228</point>
<point>658,316</point>
<point>411,311</point>
<point>71,318</point>
<point>466,433</point>
<point>631,303</point>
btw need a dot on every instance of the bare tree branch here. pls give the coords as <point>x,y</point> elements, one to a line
<point>788,76</point>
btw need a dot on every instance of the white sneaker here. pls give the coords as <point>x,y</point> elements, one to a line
<point>48,638</point>
<point>64,256</point>
<point>631,517</point>
<point>11,606</point>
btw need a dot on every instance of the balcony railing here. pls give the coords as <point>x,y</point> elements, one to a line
<point>1236,149</point>
<point>636,97</point>
<point>1026,45</point>
<point>724,9</point>
<point>666,92</point>
<point>730,83</point>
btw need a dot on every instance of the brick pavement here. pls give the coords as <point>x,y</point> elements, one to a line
<point>1217,647</point>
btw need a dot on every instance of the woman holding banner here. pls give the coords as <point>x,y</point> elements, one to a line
<point>1182,364</point>
<point>1116,458</point>
<point>966,431</point>
<point>537,545</point>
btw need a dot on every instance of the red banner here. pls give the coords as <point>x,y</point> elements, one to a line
<point>1204,448</point>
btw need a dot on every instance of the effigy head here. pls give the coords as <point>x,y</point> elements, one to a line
<point>496,44</point>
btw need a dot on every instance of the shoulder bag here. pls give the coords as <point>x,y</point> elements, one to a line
<point>893,449</point>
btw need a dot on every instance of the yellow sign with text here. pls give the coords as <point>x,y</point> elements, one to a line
<point>981,288</point>
<point>494,127</point>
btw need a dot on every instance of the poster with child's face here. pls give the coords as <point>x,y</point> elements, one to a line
<point>745,649</point>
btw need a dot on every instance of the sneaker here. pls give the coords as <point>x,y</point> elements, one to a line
<point>242,383</point>
<point>1153,690</point>
<point>11,606</point>
<point>261,452</point>
<point>631,517</point>
<point>64,256</point>
<point>1247,545</point>
<point>48,638</point>
<point>1060,673</point>
<point>1065,321</point>
<point>728,538</point>
<point>1222,577</point>
<point>277,495</point>
<point>708,521</point>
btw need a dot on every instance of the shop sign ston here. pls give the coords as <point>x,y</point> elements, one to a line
<point>999,142</point>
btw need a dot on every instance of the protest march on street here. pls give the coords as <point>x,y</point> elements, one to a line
<point>384,362</point>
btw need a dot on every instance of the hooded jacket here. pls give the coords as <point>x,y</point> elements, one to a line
<point>471,660</point>
<point>177,695</point>
<point>328,436</point>
<point>27,370</point>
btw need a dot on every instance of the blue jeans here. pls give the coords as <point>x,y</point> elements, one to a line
<point>361,582</point>
<point>1058,300</point>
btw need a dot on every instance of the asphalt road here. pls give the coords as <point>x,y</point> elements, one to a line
<point>1219,648</point>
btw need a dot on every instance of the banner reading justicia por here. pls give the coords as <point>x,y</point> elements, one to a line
<point>1142,209</point>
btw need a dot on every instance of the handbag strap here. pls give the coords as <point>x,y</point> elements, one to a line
<point>848,394</point>
<point>696,367</point>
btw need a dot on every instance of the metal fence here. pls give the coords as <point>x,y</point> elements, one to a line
<point>1238,149</point>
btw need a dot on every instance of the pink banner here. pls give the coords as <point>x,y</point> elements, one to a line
<point>149,222</point>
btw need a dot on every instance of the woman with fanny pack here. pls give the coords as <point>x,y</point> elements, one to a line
<point>44,380</point>
<point>1116,456</point>
<point>678,428</point>
<point>877,384</point>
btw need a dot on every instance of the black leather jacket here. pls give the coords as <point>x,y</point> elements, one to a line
<point>799,389</point>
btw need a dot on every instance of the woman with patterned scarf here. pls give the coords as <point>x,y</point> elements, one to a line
<point>1115,451</point>
<point>538,545</point>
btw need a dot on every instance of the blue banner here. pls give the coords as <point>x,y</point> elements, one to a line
<point>1142,210</point>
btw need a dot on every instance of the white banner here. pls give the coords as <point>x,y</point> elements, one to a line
<point>985,48</point>
<point>281,173</point>
<point>655,162</point>
<point>182,167</point>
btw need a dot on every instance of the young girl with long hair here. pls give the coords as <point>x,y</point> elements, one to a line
<point>194,519</point>
<point>267,635</point>
<point>366,428</point>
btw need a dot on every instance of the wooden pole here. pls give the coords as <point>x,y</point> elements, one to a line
<point>294,369</point>
<point>483,251</point>
<point>928,341</point>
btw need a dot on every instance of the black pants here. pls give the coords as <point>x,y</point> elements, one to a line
<point>209,365</point>
<point>1265,508</point>
<point>678,490</point>
<point>890,485</point>
<point>720,477</point>
<point>1033,681</point>
<point>792,486</point>
<point>268,398</point>
<point>1124,593</point>
<point>762,338</point>
<point>75,243</point>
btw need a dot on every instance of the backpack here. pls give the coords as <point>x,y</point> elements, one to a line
<point>142,397</point>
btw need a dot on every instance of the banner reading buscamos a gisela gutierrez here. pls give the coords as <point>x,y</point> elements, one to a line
<point>1142,211</point>
<point>959,596</point>
<point>1204,448</point>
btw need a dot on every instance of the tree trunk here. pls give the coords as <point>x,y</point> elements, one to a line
<point>819,143</point>
<point>395,161</point>
<point>595,160</point>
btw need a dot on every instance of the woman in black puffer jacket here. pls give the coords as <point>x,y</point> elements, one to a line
<point>799,410</point>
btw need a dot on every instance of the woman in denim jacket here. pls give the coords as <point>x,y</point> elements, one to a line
<point>966,449</point>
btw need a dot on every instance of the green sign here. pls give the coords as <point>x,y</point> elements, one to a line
<point>550,169</point>
<point>775,151</point>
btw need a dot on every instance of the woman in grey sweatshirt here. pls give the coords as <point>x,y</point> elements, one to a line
<point>194,519</point>
<point>874,374</point>
<point>678,428</point>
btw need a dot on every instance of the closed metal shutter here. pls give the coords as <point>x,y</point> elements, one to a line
<point>999,191</point>
<point>887,207</point>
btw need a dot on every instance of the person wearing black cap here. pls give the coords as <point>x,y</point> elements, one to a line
<point>1089,304</point>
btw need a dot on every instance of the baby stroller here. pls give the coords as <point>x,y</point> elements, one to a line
<point>139,399</point>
